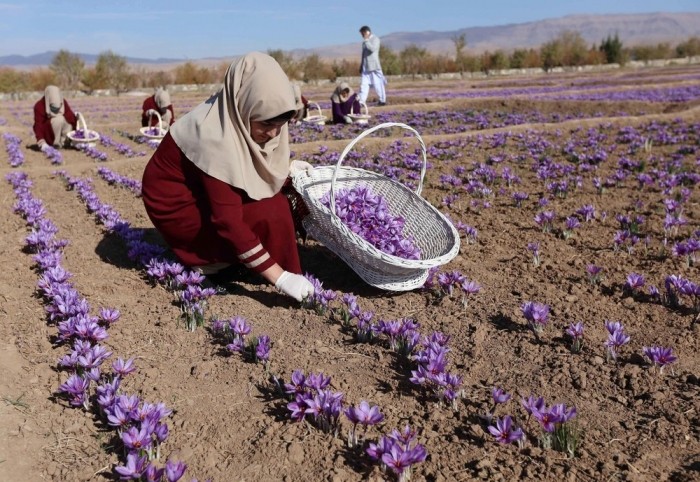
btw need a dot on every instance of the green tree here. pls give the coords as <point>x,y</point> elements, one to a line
<point>689,48</point>
<point>110,72</point>
<point>612,48</point>
<point>460,42</point>
<point>391,64</point>
<point>11,81</point>
<point>568,48</point>
<point>314,68</point>
<point>68,69</point>
<point>287,62</point>
<point>413,59</point>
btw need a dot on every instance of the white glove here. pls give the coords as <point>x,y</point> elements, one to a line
<point>294,285</point>
<point>150,112</point>
<point>42,144</point>
<point>347,119</point>
<point>297,167</point>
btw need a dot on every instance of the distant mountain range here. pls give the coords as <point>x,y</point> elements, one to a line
<point>632,29</point>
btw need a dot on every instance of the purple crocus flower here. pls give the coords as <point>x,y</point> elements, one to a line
<point>399,459</point>
<point>536,314</point>
<point>123,368</point>
<point>262,348</point>
<point>634,281</point>
<point>364,414</point>
<point>504,431</point>
<point>135,439</point>
<point>531,404</point>
<point>134,468</point>
<point>575,331</point>
<point>174,470</point>
<point>499,395</point>
<point>659,356</point>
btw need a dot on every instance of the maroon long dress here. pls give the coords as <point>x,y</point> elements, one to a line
<point>150,103</point>
<point>42,121</point>
<point>206,221</point>
<point>341,109</point>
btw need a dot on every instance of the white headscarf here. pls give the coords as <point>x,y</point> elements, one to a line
<point>338,95</point>
<point>162,98</point>
<point>215,135</point>
<point>53,97</point>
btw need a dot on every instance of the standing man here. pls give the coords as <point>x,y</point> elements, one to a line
<point>370,68</point>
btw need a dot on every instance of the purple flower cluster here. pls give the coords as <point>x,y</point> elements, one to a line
<point>432,373</point>
<point>659,356</point>
<point>365,415</point>
<point>616,338</point>
<point>548,417</point>
<point>367,215</point>
<point>575,332</point>
<point>505,432</point>
<point>314,401</point>
<point>114,178</point>
<point>141,425</point>
<point>91,151</point>
<point>119,147</point>
<point>191,295</point>
<point>536,314</point>
<point>234,332</point>
<point>398,451</point>
<point>53,154</point>
<point>13,146</point>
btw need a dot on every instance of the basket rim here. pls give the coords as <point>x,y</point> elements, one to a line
<point>143,130</point>
<point>300,182</point>
<point>71,135</point>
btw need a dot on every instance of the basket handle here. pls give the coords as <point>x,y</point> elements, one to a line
<point>78,120</point>
<point>160,119</point>
<point>318,107</point>
<point>365,133</point>
<point>362,104</point>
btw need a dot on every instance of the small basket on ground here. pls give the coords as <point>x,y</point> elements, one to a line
<point>155,133</point>
<point>361,117</point>
<point>318,119</point>
<point>429,229</point>
<point>82,136</point>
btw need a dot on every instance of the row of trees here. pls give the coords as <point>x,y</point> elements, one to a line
<point>112,71</point>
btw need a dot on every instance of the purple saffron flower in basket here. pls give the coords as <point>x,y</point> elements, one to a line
<point>660,356</point>
<point>504,431</point>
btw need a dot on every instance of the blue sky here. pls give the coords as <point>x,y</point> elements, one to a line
<point>218,28</point>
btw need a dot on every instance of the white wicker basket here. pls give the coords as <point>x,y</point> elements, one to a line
<point>430,230</point>
<point>318,119</point>
<point>88,138</point>
<point>361,117</point>
<point>146,131</point>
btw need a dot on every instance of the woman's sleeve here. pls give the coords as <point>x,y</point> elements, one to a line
<point>39,121</point>
<point>227,216</point>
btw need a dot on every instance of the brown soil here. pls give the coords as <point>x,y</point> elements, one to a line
<point>228,423</point>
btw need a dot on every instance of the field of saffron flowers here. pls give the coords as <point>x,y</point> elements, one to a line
<point>560,344</point>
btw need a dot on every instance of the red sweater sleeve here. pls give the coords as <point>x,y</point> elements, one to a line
<point>70,115</point>
<point>40,121</point>
<point>227,216</point>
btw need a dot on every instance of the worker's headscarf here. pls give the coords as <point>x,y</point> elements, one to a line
<point>339,94</point>
<point>215,135</point>
<point>53,100</point>
<point>162,98</point>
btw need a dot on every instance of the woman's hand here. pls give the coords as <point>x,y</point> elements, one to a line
<point>294,285</point>
<point>297,167</point>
